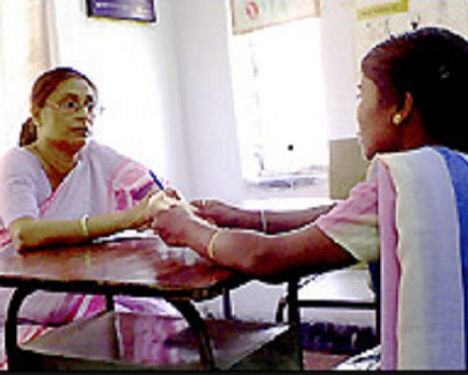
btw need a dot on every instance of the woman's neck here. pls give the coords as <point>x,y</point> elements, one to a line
<point>57,162</point>
<point>414,133</point>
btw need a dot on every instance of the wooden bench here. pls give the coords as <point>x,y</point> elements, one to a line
<point>127,341</point>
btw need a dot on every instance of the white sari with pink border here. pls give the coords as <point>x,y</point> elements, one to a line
<point>103,181</point>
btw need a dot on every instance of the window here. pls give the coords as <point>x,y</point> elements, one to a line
<point>279,102</point>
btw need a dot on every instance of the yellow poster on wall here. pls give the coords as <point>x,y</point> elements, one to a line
<point>248,15</point>
<point>379,8</point>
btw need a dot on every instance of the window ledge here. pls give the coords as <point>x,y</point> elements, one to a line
<point>286,181</point>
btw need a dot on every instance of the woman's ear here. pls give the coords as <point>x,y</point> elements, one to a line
<point>405,109</point>
<point>35,116</point>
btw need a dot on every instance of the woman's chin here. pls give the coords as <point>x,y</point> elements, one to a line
<point>73,146</point>
<point>79,143</point>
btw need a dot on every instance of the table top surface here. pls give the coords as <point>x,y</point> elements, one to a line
<point>138,266</point>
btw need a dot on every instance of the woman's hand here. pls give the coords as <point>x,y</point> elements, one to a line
<point>173,193</point>
<point>173,223</point>
<point>215,211</point>
<point>140,214</point>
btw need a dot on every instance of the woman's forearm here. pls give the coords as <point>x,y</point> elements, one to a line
<point>272,222</point>
<point>304,250</point>
<point>27,233</point>
<point>235,248</point>
<point>277,222</point>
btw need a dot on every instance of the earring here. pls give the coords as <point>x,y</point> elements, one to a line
<point>397,118</point>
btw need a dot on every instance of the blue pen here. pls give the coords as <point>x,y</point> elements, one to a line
<point>156,180</point>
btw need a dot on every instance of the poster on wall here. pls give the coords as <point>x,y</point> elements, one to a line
<point>376,20</point>
<point>371,9</point>
<point>249,15</point>
<point>136,10</point>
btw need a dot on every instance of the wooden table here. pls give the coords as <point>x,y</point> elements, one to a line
<point>137,267</point>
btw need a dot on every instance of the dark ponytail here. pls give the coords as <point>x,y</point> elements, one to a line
<point>28,132</point>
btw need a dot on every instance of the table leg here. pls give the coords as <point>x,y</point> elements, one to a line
<point>109,302</point>
<point>198,327</point>
<point>11,333</point>
<point>292,298</point>
<point>227,308</point>
<point>294,317</point>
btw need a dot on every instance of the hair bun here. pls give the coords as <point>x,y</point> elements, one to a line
<point>28,132</point>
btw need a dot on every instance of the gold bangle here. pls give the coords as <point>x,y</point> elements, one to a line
<point>84,225</point>
<point>210,249</point>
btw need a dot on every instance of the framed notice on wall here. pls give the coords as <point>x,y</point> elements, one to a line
<point>250,15</point>
<point>137,10</point>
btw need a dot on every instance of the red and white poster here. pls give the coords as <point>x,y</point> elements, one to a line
<point>248,15</point>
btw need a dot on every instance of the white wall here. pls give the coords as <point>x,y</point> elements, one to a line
<point>135,68</point>
<point>23,53</point>
<point>339,67</point>
<point>202,35</point>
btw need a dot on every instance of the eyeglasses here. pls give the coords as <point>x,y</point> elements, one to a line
<point>70,107</point>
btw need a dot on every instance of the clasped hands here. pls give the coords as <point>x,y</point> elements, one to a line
<point>162,202</point>
<point>171,217</point>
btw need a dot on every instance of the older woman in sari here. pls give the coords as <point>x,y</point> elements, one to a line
<point>60,187</point>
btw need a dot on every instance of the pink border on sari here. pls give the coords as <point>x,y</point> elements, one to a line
<point>390,267</point>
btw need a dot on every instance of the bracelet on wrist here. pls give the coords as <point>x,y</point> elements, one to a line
<point>84,225</point>
<point>210,249</point>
